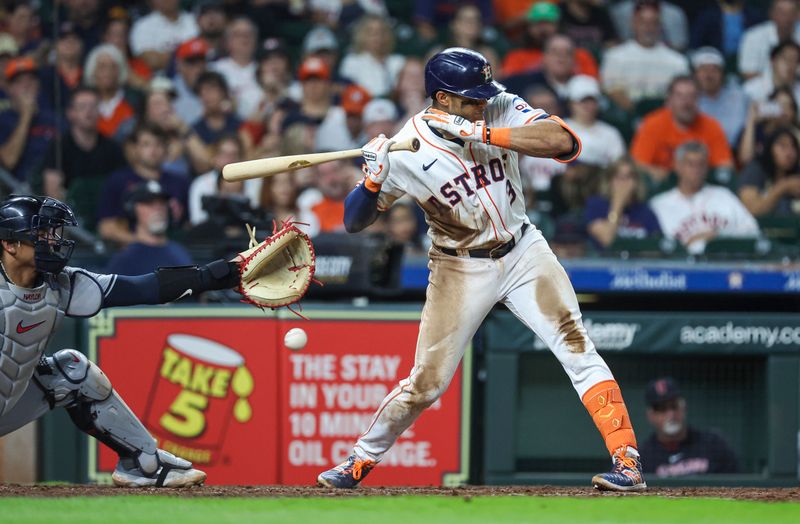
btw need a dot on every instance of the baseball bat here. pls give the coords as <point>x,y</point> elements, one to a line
<point>264,167</point>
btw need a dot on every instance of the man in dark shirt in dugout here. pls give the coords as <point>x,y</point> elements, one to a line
<point>674,448</point>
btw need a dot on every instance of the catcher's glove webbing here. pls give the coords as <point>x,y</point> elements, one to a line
<point>277,271</point>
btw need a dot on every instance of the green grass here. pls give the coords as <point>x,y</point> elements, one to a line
<point>391,510</point>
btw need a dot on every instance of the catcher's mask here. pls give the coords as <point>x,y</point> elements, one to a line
<point>39,221</point>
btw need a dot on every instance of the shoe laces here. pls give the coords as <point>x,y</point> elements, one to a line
<point>361,467</point>
<point>624,461</point>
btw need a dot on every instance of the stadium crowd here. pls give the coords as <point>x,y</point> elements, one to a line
<point>687,111</point>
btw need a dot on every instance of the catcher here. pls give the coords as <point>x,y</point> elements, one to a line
<point>37,290</point>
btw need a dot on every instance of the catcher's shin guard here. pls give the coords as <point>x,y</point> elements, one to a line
<point>75,383</point>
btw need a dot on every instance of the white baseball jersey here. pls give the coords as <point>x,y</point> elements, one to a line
<point>713,208</point>
<point>471,192</point>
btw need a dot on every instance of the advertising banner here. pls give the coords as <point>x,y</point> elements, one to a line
<point>218,387</point>
<point>332,388</point>
<point>667,332</point>
<point>203,384</point>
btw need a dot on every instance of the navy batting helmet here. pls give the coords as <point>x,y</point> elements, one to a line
<point>461,71</point>
<point>41,221</point>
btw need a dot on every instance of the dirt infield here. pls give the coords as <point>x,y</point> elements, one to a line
<point>762,494</point>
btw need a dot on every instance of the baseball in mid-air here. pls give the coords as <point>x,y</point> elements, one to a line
<point>295,339</point>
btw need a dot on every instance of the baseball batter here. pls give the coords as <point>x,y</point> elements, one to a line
<point>485,251</point>
<point>36,291</point>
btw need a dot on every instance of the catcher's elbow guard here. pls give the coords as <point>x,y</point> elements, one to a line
<point>177,282</point>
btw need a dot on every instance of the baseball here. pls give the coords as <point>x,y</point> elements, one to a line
<point>295,339</point>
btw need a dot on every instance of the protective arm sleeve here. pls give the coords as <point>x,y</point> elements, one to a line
<point>360,208</point>
<point>171,283</point>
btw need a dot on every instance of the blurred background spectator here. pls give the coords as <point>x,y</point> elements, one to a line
<point>641,67</point>
<point>695,212</point>
<point>672,23</point>
<point>217,120</point>
<point>770,184</point>
<point>107,71</point>
<point>601,143</point>
<point>239,66</point>
<point>780,74</point>
<point>588,24</point>
<point>680,120</point>
<point>620,209</point>
<point>147,208</point>
<point>371,62</point>
<point>758,41</point>
<point>720,98</point>
<point>763,119</point>
<point>322,206</point>
<point>675,448</point>
<point>211,21</point>
<point>722,26</point>
<point>155,36</point>
<point>117,33</point>
<point>343,127</point>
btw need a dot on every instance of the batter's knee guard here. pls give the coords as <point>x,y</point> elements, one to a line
<point>84,390</point>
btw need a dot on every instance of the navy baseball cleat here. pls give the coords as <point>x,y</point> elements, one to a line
<point>346,475</point>
<point>626,475</point>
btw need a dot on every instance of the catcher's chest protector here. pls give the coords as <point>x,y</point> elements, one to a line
<point>29,317</point>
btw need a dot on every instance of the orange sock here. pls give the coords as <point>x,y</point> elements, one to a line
<point>604,403</point>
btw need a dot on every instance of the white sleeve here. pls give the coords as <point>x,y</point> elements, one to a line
<point>139,37</point>
<point>87,291</point>
<point>744,223</point>
<point>749,52</point>
<point>510,110</point>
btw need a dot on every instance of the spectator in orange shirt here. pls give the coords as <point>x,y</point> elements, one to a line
<point>322,207</point>
<point>543,21</point>
<point>107,70</point>
<point>663,130</point>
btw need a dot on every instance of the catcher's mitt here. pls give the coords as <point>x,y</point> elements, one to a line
<point>277,271</point>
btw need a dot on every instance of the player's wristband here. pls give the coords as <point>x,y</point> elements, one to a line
<point>499,136</point>
<point>371,186</point>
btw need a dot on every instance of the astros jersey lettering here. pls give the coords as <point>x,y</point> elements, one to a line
<point>471,192</point>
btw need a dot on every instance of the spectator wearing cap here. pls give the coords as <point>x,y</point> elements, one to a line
<point>784,60</point>
<point>641,67</point>
<point>588,24</point>
<point>380,117</point>
<point>722,26</point>
<point>720,99</point>
<point>155,36</point>
<point>211,20</point>
<point>315,79</point>
<point>602,143</point>
<point>542,25</point>
<point>620,209</point>
<point>26,129</point>
<point>239,67</point>
<point>190,62</point>
<point>148,154</point>
<point>107,71</point>
<point>676,449</point>
<point>758,41</point>
<point>8,50</point>
<point>673,25</point>
<point>680,120</point>
<point>116,33</point>
<point>65,74</point>
<point>322,43</point>
<point>227,150</point>
<point>147,207</point>
<point>371,62</point>
<point>260,133</point>
<point>343,127</point>
<point>83,154</point>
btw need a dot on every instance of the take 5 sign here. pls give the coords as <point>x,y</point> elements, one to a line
<point>218,387</point>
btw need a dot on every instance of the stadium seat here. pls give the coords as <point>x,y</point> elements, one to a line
<point>737,247</point>
<point>782,229</point>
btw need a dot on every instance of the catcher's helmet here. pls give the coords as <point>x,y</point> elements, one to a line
<point>41,221</point>
<point>461,71</point>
